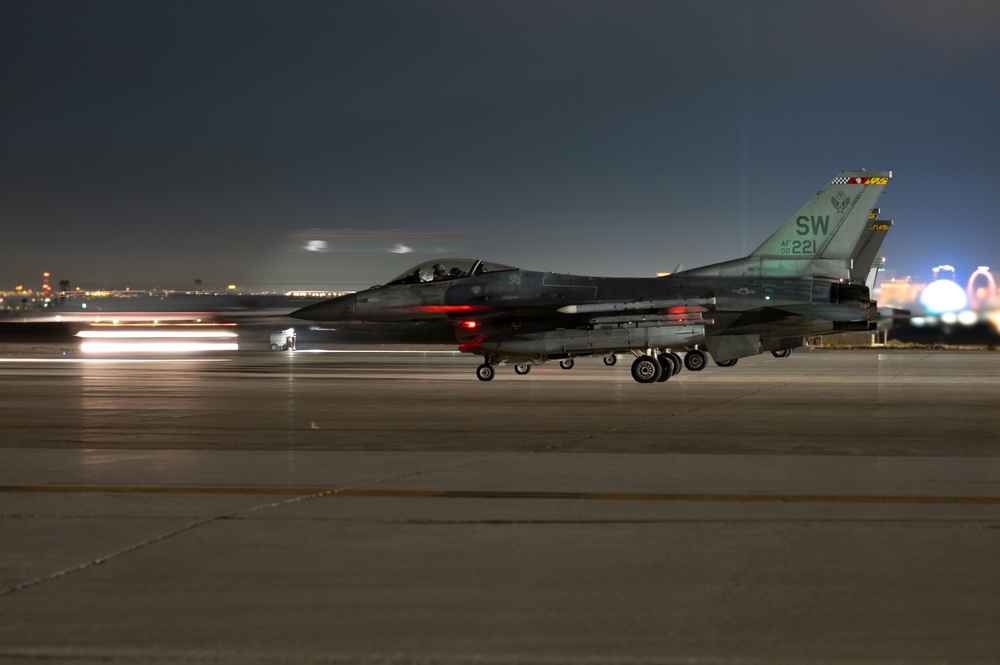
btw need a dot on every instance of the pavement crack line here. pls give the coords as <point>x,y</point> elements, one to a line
<point>308,496</point>
<point>916,361</point>
<point>135,547</point>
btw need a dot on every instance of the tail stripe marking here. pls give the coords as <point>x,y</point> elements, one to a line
<point>860,181</point>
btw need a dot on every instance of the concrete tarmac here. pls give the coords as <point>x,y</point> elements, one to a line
<point>391,508</point>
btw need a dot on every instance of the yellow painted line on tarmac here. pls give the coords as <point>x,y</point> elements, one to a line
<point>488,494</point>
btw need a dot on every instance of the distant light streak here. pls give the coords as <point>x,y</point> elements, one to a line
<point>189,324</point>
<point>156,347</point>
<point>109,361</point>
<point>153,334</point>
<point>317,246</point>
<point>123,341</point>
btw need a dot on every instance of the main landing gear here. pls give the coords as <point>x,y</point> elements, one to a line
<point>657,366</point>
<point>653,366</point>
<point>695,360</point>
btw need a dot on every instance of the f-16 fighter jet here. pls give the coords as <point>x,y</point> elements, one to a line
<point>808,278</point>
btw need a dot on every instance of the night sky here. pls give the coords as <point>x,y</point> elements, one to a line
<point>154,143</point>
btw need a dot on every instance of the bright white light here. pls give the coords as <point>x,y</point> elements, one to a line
<point>152,341</point>
<point>968,318</point>
<point>154,334</point>
<point>317,246</point>
<point>156,347</point>
<point>944,295</point>
<point>949,318</point>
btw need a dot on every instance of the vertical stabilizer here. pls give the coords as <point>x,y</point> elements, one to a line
<point>832,223</point>
<point>823,239</point>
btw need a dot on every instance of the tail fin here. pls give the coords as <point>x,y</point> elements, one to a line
<point>832,223</point>
<point>822,239</point>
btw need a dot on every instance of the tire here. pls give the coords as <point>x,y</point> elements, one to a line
<point>678,363</point>
<point>566,363</point>
<point>645,369</point>
<point>726,363</point>
<point>695,360</point>
<point>611,360</point>
<point>274,347</point>
<point>781,353</point>
<point>485,372</point>
<point>522,369</point>
<point>669,368</point>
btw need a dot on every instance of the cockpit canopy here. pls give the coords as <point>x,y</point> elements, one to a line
<point>439,270</point>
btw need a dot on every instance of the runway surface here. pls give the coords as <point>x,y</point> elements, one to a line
<point>391,508</point>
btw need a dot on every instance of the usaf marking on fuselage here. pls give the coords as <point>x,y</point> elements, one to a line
<point>808,278</point>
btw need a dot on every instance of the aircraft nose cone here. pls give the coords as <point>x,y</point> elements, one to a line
<point>337,309</point>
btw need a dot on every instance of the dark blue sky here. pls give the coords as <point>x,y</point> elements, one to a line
<point>152,143</point>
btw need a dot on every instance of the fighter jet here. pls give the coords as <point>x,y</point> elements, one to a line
<point>807,279</point>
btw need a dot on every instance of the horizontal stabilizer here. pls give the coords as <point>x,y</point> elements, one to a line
<point>841,313</point>
<point>892,316</point>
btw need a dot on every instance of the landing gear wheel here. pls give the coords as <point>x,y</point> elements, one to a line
<point>566,363</point>
<point>726,363</point>
<point>522,369</point>
<point>678,363</point>
<point>645,369</point>
<point>667,363</point>
<point>610,360</point>
<point>781,353</point>
<point>695,360</point>
<point>485,372</point>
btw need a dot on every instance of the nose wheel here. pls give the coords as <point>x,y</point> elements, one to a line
<point>485,372</point>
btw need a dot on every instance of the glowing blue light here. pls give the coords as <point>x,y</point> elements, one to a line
<point>942,296</point>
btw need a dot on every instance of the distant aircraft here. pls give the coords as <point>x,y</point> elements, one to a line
<point>807,279</point>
